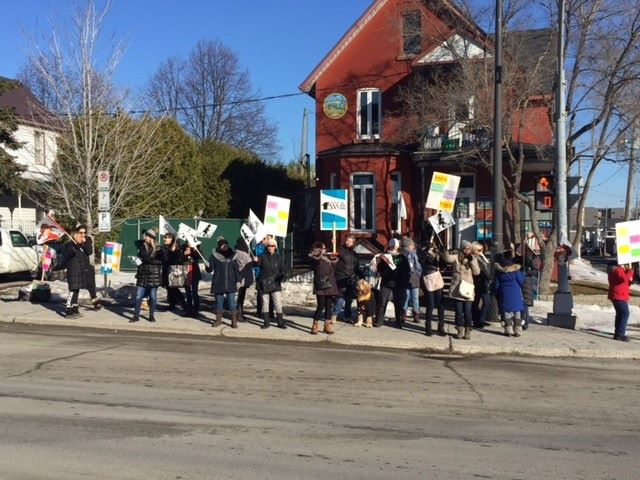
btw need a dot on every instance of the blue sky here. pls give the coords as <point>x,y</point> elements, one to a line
<point>279,42</point>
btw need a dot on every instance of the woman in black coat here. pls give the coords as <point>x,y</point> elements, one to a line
<point>325,287</point>
<point>149,274</point>
<point>80,272</point>
<point>172,255</point>
<point>272,273</point>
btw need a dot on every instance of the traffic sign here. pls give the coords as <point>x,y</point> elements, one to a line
<point>104,201</point>
<point>104,221</point>
<point>104,180</point>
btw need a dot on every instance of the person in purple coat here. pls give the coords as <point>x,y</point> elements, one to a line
<point>508,286</point>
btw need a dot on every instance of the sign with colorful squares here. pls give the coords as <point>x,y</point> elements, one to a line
<point>443,192</point>
<point>628,241</point>
<point>276,216</point>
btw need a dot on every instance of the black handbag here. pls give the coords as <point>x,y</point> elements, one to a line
<point>323,282</point>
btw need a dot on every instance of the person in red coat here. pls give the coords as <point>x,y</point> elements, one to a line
<point>620,278</point>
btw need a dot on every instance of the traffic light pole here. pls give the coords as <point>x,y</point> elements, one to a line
<point>562,315</point>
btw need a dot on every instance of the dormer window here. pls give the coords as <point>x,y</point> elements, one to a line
<point>411,33</point>
<point>369,115</point>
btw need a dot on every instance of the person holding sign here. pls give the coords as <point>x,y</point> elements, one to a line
<point>462,291</point>
<point>325,287</point>
<point>620,278</point>
<point>80,272</point>
<point>394,271</point>
<point>272,272</point>
<point>148,275</point>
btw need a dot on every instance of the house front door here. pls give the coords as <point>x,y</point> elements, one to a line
<point>465,211</point>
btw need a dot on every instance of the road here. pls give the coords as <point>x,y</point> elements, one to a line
<point>80,404</point>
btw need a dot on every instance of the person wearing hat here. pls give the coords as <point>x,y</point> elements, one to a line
<point>508,281</point>
<point>325,287</point>
<point>394,271</point>
<point>272,272</point>
<point>80,273</point>
<point>462,291</point>
<point>225,278</point>
<point>148,275</point>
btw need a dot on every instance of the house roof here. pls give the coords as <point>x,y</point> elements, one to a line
<point>26,107</point>
<point>535,50</point>
<point>308,85</point>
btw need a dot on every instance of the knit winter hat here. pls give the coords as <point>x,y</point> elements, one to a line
<point>464,244</point>
<point>222,241</point>
<point>393,244</point>
<point>151,233</point>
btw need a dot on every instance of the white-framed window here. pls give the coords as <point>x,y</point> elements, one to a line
<point>396,191</point>
<point>363,202</point>
<point>39,148</point>
<point>369,113</point>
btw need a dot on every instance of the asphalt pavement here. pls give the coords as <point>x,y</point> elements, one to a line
<point>539,340</point>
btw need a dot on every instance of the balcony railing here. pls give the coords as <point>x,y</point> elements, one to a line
<point>460,141</point>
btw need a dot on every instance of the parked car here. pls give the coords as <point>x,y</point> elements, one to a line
<point>16,253</point>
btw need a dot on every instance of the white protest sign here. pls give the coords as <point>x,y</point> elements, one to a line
<point>441,221</point>
<point>188,234</point>
<point>276,215</point>
<point>206,230</point>
<point>257,227</point>
<point>165,227</point>
<point>443,192</point>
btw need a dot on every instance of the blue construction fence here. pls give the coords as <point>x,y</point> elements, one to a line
<point>229,228</point>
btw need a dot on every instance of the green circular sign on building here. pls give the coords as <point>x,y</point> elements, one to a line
<point>335,105</point>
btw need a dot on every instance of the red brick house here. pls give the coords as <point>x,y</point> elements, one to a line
<point>363,140</point>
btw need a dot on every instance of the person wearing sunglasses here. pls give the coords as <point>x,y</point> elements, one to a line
<point>80,273</point>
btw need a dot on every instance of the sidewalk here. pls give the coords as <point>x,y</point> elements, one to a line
<point>590,340</point>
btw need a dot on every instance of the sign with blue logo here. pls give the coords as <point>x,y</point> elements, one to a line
<point>334,210</point>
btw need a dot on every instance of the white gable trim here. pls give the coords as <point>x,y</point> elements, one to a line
<point>452,50</point>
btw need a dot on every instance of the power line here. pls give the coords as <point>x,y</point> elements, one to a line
<point>215,105</point>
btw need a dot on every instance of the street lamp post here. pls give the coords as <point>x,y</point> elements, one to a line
<point>562,315</point>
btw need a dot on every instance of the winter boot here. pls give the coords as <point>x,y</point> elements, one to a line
<point>134,319</point>
<point>152,318</point>
<point>218,320</point>
<point>76,311</point>
<point>327,327</point>
<point>314,327</point>
<point>441,331</point>
<point>69,313</point>
<point>427,328</point>
<point>517,327</point>
<point>96,303</point>
<point>460,333</point>
<point>507,325</point>
<point>265,321</point>
<point>467,333</point>
<point>369,323</point>
<point>359,322</point>
<point>416,317</point>
<point>281,323</point>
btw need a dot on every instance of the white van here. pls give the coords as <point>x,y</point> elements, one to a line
<point>16,255</point>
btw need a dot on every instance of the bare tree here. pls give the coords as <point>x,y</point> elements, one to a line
<point>454,100</point>
<point>603,80</point>
<point>213,99</point>
<point>96,136</point>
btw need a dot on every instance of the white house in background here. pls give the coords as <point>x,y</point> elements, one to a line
<point>37,132</point>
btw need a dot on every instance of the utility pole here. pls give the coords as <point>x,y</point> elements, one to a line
<point>631,177</point>
<point>562,315</point>
<point>306,158</point>
<point>498,243</point>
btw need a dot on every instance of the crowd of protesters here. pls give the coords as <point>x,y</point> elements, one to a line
<point>479,290</point>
